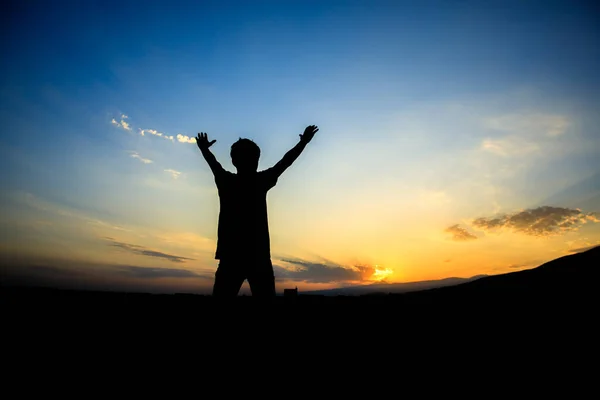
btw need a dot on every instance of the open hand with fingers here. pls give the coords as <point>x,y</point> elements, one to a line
<point>308,134</point>
<point>202,141</point>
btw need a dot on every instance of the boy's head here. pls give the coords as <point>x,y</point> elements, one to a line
<point>244,155</point>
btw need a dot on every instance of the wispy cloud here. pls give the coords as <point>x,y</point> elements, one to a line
<point>523,134</point>
<point>37,203</point>
<point>187,240</point>
<point>142,159</point>
<point>509,146</point>
<point>175,174</point>
<point>460,234</point>
<point>436,197</point>
<point>143,251</point>
<point>532,124</point>
<point>541,221</point>
<point>122,123</point>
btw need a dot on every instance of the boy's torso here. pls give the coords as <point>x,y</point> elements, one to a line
<point>243,230</point>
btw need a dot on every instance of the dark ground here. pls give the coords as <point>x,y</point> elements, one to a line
<point>557,302</point>
<point>104,337</point>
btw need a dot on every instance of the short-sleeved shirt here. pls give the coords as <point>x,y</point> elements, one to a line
<point>243,231</point>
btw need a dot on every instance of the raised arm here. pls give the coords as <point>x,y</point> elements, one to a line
<point>293,154</point>
<point>204,145</point>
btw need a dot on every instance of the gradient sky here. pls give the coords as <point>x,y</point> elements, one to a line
<point>457,138</point>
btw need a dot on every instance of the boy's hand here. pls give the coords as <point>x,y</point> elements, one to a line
<point>308,134</point>
<point>202,141</point>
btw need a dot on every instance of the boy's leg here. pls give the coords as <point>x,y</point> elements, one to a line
<point>228,279</point>
<point>261,279</point>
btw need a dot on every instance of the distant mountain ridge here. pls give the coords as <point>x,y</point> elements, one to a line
<point>387,288</point>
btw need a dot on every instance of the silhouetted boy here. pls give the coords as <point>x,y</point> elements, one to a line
<point>243,244</point>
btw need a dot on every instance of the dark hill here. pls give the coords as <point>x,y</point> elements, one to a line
<point>572,277</point>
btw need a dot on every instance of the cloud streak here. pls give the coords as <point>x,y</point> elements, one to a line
<point>84,275</point>
<point>143,251</point>
<point>120,122</point>
<point>541,221</point>
<point>460,234</point>
<point>154,273</point>
<point>508,147</point>
<point>142,159</point>
<point>175,174</point>
<point>534,124</point>
<point>523,134</point>
<point>156,133</point>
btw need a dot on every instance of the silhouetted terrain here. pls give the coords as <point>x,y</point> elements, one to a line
<point>391,288</point>
<point>567,281</point>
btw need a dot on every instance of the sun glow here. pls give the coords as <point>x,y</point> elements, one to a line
<point>381,273</point>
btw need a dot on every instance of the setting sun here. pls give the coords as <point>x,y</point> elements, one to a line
<point>381,274</point>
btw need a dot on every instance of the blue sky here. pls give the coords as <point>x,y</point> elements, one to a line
<point>431,114</point>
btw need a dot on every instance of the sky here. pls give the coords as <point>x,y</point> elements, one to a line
<point>456,138</point>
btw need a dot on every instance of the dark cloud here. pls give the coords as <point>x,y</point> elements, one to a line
<point>71,274</point>
<point>582,249</point>
<point>313,272</point>
<point>541,221</point>
<point>43,270</point>
<point>460,234</point>
<point>143,251</point>
<point>151,273</point>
